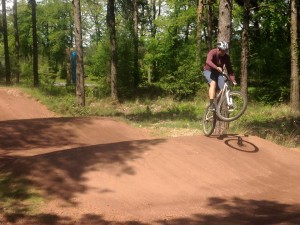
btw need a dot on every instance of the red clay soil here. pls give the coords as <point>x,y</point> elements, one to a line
<point>103,171</point>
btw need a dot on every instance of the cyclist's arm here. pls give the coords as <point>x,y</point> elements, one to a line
<point>209,60</point>
<point>230,70</point>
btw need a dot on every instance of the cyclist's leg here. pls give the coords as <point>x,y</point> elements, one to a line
<point>211,79</point>
<point>212,89</point>
<point>221,82</point>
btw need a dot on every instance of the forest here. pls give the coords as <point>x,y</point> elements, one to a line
<point>157,47</point>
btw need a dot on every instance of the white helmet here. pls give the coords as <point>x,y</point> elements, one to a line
<point>223,45</point>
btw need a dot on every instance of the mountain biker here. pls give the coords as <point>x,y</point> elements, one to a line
<point>216,59</point>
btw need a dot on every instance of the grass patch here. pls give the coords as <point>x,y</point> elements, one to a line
<point>18,198</point>
<point>276,123</point>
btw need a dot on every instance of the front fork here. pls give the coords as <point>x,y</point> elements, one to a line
<point>229,98</point>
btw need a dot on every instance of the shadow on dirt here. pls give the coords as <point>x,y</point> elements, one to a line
<point>238,142</point>
<point>243,212</point>
<point>52,219</point>
<point>227,212</point>
<point>242,145</point>
<point>38,133</point>
<point>65,169</point>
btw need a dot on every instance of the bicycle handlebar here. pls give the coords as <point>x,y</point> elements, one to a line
<point>228,78</point>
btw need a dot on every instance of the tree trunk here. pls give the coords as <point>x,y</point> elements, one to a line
<point>224,26</point>
<point>5,40</point>
<point>245,52</point>
<point>136,44</point>
<point>209,24</point>
<point>17,41</point>
<point>199,30</point>
<point>294,95</point>
<point>68,66</point>
<point>80,95</point>
<point>154,11</point>
<point>34,45</point>
<point>111,24</point>
<point>224,34</point>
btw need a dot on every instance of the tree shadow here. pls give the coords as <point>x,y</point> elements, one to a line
<point>242,212</point>
<point>38,133</point>
<point>65,169</point>
<point>53,219</point>
<point>60,173</point>
<point>219,211</point>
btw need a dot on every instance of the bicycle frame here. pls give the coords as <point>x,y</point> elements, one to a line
<point>225,90</point>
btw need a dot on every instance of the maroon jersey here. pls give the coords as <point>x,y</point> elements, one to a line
<point>214,60</point>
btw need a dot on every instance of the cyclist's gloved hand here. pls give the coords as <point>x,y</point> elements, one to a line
<point>232,78</point>
<point>220,69</point>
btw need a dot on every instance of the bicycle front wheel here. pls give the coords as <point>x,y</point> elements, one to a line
<point>233,107</point>
<point>208,122</point>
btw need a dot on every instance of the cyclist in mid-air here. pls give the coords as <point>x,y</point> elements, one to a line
<point>215,61</point>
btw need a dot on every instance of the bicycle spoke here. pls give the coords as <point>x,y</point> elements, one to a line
<point>233,107</point>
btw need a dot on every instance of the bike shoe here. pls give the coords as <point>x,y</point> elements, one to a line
<point>212,107</point>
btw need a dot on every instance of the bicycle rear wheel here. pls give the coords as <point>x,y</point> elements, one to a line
<point>233,108</point>
<point>209,122</point>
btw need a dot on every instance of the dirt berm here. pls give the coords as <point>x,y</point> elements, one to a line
<point>103,171</point>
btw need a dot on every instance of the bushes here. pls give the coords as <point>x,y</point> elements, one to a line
<point>269,93</point>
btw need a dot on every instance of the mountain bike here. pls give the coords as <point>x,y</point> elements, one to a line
<point>230,105</point>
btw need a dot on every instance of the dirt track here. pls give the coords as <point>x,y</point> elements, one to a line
<point>102,171</point>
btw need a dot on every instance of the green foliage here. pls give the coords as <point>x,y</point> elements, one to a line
<point>94,11</point>
<point>274,17</point>
<point>47,75</point>
<point>125,63</point>
<point>268,64</point>
<point>182,84</point>
<point>55,29</point>
<point>167,46</point>
<point>171,55</point>
<point>25,31</point>
<point>97,67</point>
<point>261,93</point>
<point>26,72</point>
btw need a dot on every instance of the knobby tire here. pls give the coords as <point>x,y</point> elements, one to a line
<point>209,122</point>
